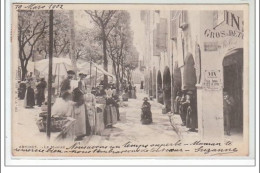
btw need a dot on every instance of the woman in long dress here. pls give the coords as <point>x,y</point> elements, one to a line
<point>110,114</point>
<point>90,102</point>
<point>29,100</point>
<point>82,126</point>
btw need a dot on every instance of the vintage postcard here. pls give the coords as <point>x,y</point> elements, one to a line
<point>129,80</point>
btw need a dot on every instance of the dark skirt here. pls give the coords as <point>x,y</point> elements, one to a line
<point>142,85</point>
<point>110,115</point>
<point>191,118</point>
<point>40,97</point>
<point>30,97</point>
<point>146,116</point>
<point>21,91</point>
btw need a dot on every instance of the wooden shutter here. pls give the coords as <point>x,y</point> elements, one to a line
<point>163,34</point>
<point>155,42</point>
<point>183,19</point>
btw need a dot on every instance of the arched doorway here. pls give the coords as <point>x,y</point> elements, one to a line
<point>189,73</point>
<point>167,88</point>
<point>189,85</point>
<point>159,88</point>
<point>154,82</point>
<point>233,84</point>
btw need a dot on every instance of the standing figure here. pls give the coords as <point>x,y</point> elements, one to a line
<point>116,103</point>
<point>90,102</point>
<point>66,83</point>
<point>177,102</point>
<point>82,126</point>
<point>29,100</point>
<point>191,114</point>
<point>41,91</point>
<point>142,85</point>
<point>81,83</point>
<point>130,90</point>
<point>228,104</point>
<point>110,114</point>
<point>183,109</point>
<point>146,115</point>
<point>22,90</point>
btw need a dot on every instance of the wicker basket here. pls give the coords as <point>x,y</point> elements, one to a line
<point>57,124</point>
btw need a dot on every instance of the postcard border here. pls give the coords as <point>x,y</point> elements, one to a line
<point>251,81</point>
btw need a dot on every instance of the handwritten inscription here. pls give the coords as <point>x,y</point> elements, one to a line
<point>34,6</point>
<point>206,148</point>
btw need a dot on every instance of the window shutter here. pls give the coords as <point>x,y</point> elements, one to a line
<point>163,34</point>
<point>155,42</point>
<point>174,25</point>
<point>174,29</point>
<point>183,19</point>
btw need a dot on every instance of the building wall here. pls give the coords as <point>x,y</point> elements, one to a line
<point>204,31</point>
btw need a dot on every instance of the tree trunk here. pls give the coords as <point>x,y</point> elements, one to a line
<point>118,78</point>
<point>105,57</point>
<point>72,41</point>
<point>24,69</point>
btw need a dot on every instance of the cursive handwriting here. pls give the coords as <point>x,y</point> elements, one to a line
<point>35,6</point>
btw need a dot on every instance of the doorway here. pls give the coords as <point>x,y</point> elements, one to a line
<point>233,85</point>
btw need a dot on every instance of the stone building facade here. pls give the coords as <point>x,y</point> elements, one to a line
<point>199,51</point>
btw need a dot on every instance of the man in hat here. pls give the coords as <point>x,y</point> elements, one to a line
<point>81,83</point>
<point>66,83</point>
<point>228,104</point>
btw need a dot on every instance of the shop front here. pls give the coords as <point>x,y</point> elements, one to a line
<point>222,71</point>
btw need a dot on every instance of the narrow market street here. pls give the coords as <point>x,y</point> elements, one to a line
<point>128,129</point>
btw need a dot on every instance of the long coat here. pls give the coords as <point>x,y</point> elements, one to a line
<point>40,92</point>
<point>191,116</point>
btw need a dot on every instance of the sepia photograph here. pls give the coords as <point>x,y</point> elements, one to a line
<point>129,80</point>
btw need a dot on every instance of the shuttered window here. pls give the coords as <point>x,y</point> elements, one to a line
<point>156,51</point>
<point>162,34</point>
<point>183,19</point>
<point>173,25</point>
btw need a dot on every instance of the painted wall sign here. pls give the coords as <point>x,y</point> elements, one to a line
<point>223,33</point>
<point>212,80</point>
<point>228,18</point>
<point>210,46</point>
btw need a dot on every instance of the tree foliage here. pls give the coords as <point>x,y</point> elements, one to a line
<point>105,21</point>
<point>32,26</point>
<point>61,33</point>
